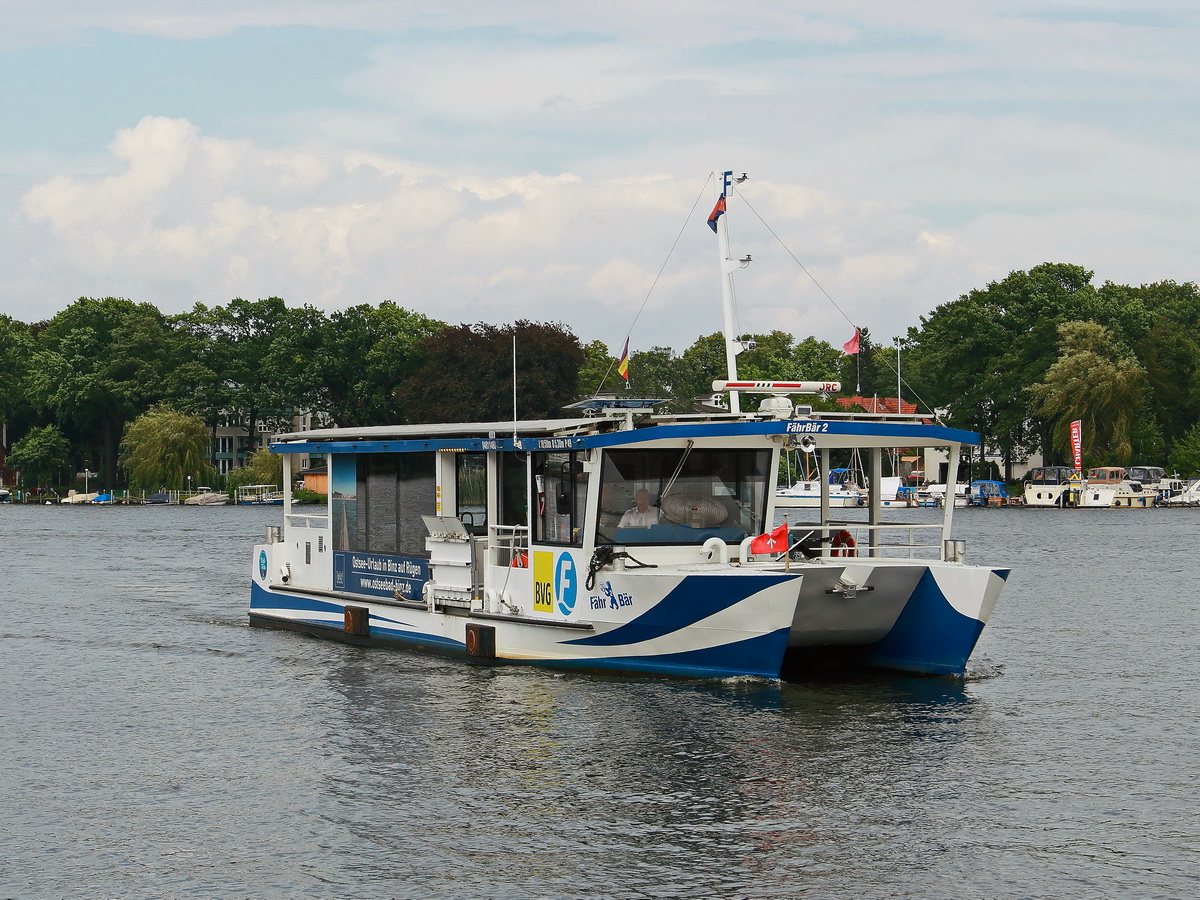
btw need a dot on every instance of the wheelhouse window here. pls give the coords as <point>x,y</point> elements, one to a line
<point>560,497</point>
<point>682,496</point>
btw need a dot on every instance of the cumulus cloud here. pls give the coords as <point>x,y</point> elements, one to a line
<point>541,160</point>
<point>216,218</point>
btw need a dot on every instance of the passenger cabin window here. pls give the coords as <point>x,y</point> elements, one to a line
<point>682,496</point>
<point>470,491</point>
<point>560,498</point>
<point>382,512</point>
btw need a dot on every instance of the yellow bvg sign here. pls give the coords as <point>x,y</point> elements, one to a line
<point>543,581</point>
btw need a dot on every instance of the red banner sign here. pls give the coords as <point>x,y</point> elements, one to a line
<point>1077,443</point>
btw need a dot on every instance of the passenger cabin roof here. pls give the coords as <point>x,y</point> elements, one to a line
<point>826,429</point>
<point>532,428</point>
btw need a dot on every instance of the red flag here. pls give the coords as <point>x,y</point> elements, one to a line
<point>851,346</point>
<point>718,211</point>
<point>772,542</point>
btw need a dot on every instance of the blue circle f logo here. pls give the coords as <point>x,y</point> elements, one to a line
<point>566,583</point>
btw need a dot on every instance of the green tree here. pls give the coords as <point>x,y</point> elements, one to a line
<point>98,364</point>
<point>699,366</point>
<point>869,372</point>
<point>775,357</point>
<point>598,371</point>
<point>656,373</point>
<point>235,341</point>
<point>263,467</point>
<point>16,353</point>
<point>977,355</point>
<point>162,448</point>
<point>1096,382</point>
<point>366,353</point>
<point>468,373</point>
<point>1185,457</point>
<point>39,456</point>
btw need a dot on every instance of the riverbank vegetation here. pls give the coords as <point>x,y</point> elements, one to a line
<point>1016,360</point>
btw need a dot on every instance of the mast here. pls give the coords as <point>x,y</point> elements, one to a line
<point>728,266</point>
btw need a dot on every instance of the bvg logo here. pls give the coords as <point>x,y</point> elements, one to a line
<point>543,585</point>
<point>566,583</point>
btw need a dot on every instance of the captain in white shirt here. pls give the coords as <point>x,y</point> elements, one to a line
<point>641,516</point>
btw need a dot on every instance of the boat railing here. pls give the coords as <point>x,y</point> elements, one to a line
<point>508,545</point>
<point>308,520</point>
<point>891,541</point>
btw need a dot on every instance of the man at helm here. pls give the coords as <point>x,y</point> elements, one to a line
<point>643,515</point>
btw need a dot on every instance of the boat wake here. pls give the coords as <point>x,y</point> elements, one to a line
<point>981,669</point>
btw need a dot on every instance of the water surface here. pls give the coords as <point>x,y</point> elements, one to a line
<point>155,746</point>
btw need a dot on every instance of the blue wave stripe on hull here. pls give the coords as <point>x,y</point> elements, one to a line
<point>696,597</point>
<point>383,629</point>
<point>761,656</point>
<point>930,636</point>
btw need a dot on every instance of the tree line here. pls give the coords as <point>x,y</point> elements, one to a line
<point>1016,360</point>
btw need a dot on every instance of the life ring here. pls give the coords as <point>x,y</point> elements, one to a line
<point>842,544</point>
<point>520,560</point>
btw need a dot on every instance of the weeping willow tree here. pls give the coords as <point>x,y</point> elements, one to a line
<point>263,467</point>
<point>1097,381</point>
<point>162,447</point>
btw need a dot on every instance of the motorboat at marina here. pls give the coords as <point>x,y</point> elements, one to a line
<point>255,495</point>
<point>1109,487</point>
<point>208,497</point>
<point>987,493</point>
<point>623,540</point>
<point>1052,486</point>
<point>1157,481</point>
<point>1189,495</point>
<point>806,493</point>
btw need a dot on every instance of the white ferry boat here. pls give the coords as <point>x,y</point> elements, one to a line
<point>624,541</point>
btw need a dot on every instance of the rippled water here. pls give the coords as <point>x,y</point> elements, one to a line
<point>155,746</point>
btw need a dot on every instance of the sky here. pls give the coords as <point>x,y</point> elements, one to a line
<point>485,162</point>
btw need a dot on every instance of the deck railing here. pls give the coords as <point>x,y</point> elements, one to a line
<point>895,541</point>
<point>508,545</point>
<point>307,520</point>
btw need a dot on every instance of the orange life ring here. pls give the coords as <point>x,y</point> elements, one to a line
<point>843,544</point>
<point>520,560</point>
